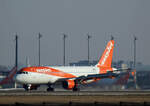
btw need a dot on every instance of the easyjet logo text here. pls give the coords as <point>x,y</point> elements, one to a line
<point>107,53</point>
<point>43,70</point>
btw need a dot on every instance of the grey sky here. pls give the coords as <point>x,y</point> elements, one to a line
<point>100,18</point>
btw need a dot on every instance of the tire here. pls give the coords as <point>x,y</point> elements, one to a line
<point>25,87</point>
<point>50,89</point>
<point>76,89</point>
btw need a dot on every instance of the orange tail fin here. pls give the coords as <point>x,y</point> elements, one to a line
<point>106,58</point>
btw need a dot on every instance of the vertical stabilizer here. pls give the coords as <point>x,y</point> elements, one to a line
<point>106,58</point>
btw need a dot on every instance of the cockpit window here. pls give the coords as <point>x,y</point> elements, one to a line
<point>22,72</point>
<point>18,72</point>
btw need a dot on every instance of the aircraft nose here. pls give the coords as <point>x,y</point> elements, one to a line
<point>18,78</point>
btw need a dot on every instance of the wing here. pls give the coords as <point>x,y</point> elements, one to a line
<point>92,76</point>
<point>109,74</point>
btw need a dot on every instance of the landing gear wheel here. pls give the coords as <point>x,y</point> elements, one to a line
<point>50,89</point>
<point>26,87</point>
<point>76,89</point>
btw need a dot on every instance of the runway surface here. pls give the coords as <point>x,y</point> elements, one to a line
<point>21,97</point>
<point>22,92</point>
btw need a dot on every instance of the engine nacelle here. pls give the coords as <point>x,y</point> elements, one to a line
<point>68,84</point>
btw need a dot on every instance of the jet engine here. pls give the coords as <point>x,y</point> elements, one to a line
<point>69,84</point>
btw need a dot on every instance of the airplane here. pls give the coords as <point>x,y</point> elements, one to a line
<point>8,79</point>
<point>71,77</point>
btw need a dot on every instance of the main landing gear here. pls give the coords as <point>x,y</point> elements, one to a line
<point>76,89</point>
<point>50,88</point>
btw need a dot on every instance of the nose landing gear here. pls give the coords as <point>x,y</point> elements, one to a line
<point>29,87</point>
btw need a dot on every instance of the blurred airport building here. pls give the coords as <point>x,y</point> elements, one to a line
<point>4,71</point>
<point>118,64</point>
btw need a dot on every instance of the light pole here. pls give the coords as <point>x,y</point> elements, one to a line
<point>134,61</point>
<point>64,39</point>
<point>88,47</point>
<point>135,38</point>
<point>39,37</point>
<point>16,56</point>
<point>16,60</point>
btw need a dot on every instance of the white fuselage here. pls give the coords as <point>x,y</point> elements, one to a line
<point>41,78</point>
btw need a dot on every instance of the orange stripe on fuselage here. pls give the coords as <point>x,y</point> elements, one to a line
<point>48,71</point>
